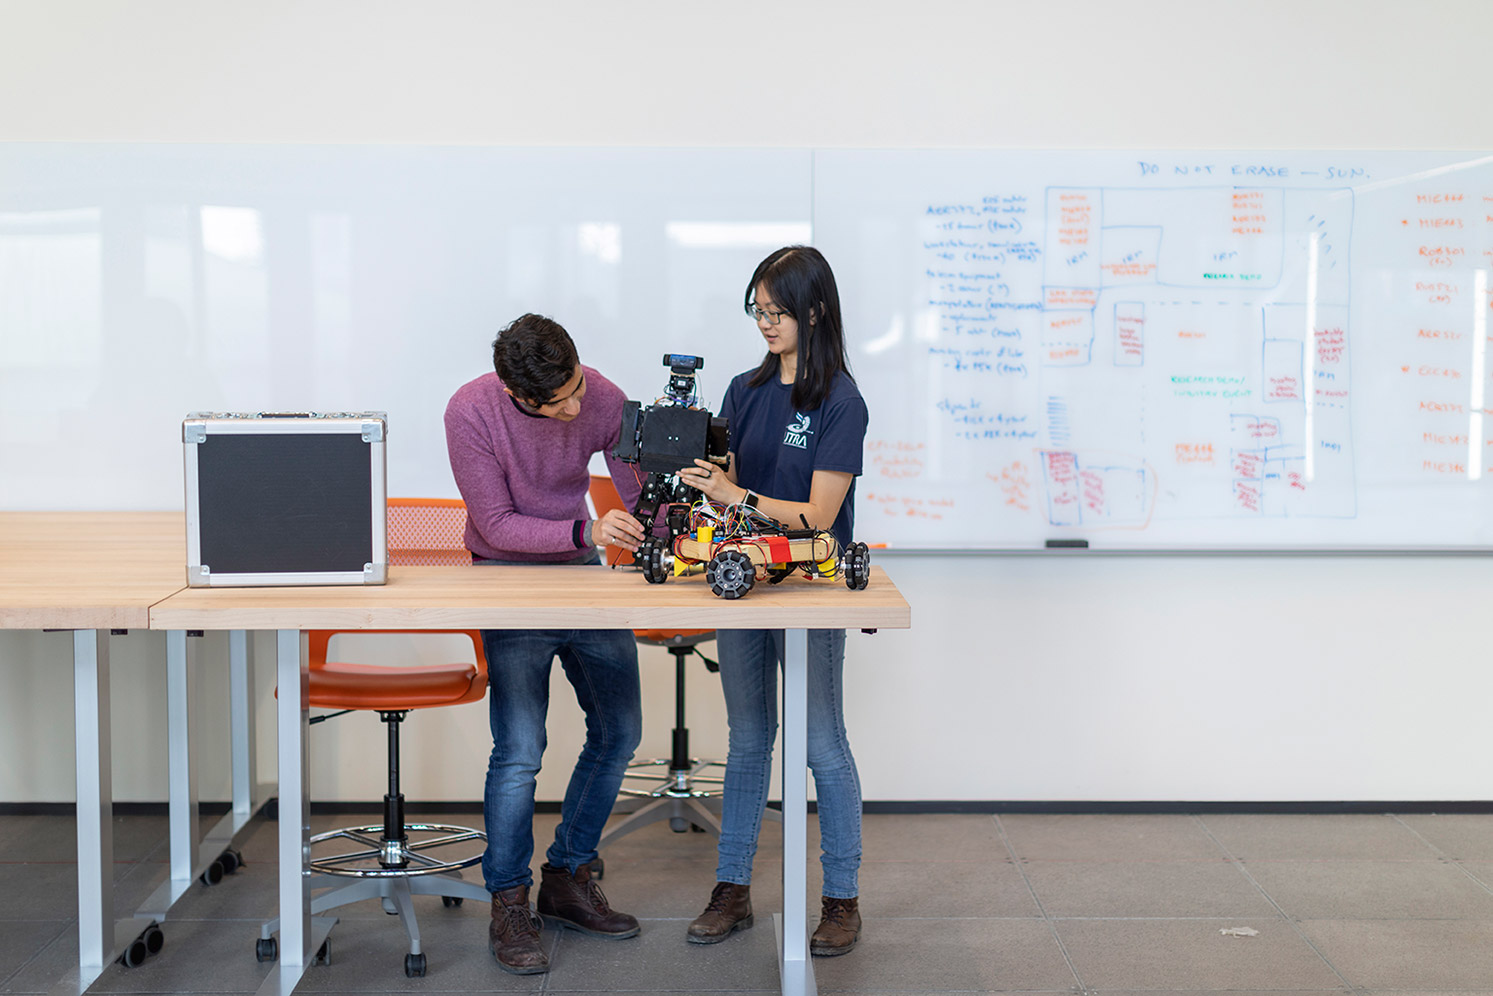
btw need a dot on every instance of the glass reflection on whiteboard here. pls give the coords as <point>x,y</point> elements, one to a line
<point>766,236</point>
<point>236,290</point>
<point>51,335</point>
<point>142,282</point>
<point>49,288</point>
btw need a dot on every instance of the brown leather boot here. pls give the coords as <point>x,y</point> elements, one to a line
<point>839,927</point>
<point>513,934</point>
<point>729,910</point>
<point>576,902</point>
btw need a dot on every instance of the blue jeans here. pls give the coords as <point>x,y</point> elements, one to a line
<point>749,678</point>
<point>602,666</point>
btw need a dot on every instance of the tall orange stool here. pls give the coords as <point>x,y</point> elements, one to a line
<point>676,788</point>
<point>395,861</point>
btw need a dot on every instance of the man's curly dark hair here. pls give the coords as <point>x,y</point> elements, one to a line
<point>534,356</point>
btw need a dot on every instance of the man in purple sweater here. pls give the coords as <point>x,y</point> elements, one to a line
<point>519,441</point>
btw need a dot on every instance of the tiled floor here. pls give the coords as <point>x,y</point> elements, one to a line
<point>953,903</point>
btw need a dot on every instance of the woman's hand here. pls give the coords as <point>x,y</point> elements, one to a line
<point>711,481</point>
<point>617,528</point>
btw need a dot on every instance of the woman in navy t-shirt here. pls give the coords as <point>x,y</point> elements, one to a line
<point>798,425</point>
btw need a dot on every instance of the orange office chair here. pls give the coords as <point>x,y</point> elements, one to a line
<point>676,787</point>
<point>396,860</point>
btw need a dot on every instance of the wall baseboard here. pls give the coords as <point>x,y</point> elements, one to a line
<point>871,807</point>
<point>1182,807</point>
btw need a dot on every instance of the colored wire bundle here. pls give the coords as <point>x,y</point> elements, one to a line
<point>736,526</point>
<point>674,400</point>
<point>730,521</point>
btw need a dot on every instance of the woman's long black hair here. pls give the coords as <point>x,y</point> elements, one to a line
<point>801,283</point>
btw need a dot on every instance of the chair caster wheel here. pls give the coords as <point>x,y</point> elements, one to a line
<point>151,940</point>
<point>414,965</point>
<point>135,954</point>
<point>450,901</point>
<point>678,824</point>
<point>214,873</point>
<point>231,861</point>
<point>598,868</point>
<point>266,949</point>
<point>323,953</point>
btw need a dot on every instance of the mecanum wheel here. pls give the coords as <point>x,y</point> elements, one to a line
<point>731,574</point>
<point>857,566</point>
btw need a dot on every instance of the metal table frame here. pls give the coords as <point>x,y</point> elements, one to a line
<point>415,598</point>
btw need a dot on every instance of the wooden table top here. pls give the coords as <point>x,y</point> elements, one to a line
<point>127,570</point>
<point>88,570</point>
<point>551,597</point>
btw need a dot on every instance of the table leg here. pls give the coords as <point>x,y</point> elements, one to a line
<point>181,662</point>
<point>291,652</point>
<point>301,934</point>
<point>248,795</point>
<point>797,969</point>
<point>100,938</point>
<point>241,722</point>
<point>192,852</point>
<point>95,802</point>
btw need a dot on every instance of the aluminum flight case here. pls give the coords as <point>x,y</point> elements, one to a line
<point>294,498</point>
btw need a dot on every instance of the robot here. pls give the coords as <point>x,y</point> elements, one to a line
<point>738,545</point>
<point>671,433</point>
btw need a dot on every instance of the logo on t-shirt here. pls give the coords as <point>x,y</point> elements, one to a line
<point>797,434</point>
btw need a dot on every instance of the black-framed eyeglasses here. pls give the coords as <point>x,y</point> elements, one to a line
<point>757,314</point>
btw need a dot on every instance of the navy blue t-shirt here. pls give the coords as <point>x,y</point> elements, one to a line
<point>778,447</point>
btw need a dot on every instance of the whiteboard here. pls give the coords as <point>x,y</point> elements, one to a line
<point>1108,347</point>
<point>1251,350</point>
<point>142,282</point>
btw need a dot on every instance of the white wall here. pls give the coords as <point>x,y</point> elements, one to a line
<point>1197,678</point>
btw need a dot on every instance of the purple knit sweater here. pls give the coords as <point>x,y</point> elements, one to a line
<point>523,477</point>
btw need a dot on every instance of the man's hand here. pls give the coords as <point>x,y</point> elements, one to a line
<point>617,528</point>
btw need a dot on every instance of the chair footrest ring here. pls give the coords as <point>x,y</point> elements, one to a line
<point>420,855</point>
<point>674,783</point>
